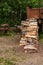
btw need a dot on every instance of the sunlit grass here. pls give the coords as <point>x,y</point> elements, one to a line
<point>6,62</point>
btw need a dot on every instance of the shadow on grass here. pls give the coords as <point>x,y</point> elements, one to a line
<point>9,33</point>
<point>41,36</point>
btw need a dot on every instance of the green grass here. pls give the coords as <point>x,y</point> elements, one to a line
<point>9,33</point>
<point>6,62</point>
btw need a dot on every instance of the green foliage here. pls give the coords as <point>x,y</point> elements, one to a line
<point>12,11</point>
<point>9,12</point>
<point>33,3</point>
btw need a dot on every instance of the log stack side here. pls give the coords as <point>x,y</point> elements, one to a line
<point>29,37</point>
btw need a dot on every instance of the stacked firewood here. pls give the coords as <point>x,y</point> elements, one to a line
<point>29,37</point>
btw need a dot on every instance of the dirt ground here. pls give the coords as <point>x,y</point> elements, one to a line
<point>10,49</point>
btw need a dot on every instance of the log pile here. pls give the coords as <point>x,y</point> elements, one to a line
<point>29,37</point>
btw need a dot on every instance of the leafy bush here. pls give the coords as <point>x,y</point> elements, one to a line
<point>12,11</point>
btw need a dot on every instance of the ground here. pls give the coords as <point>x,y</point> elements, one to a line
<point>12,54</point>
